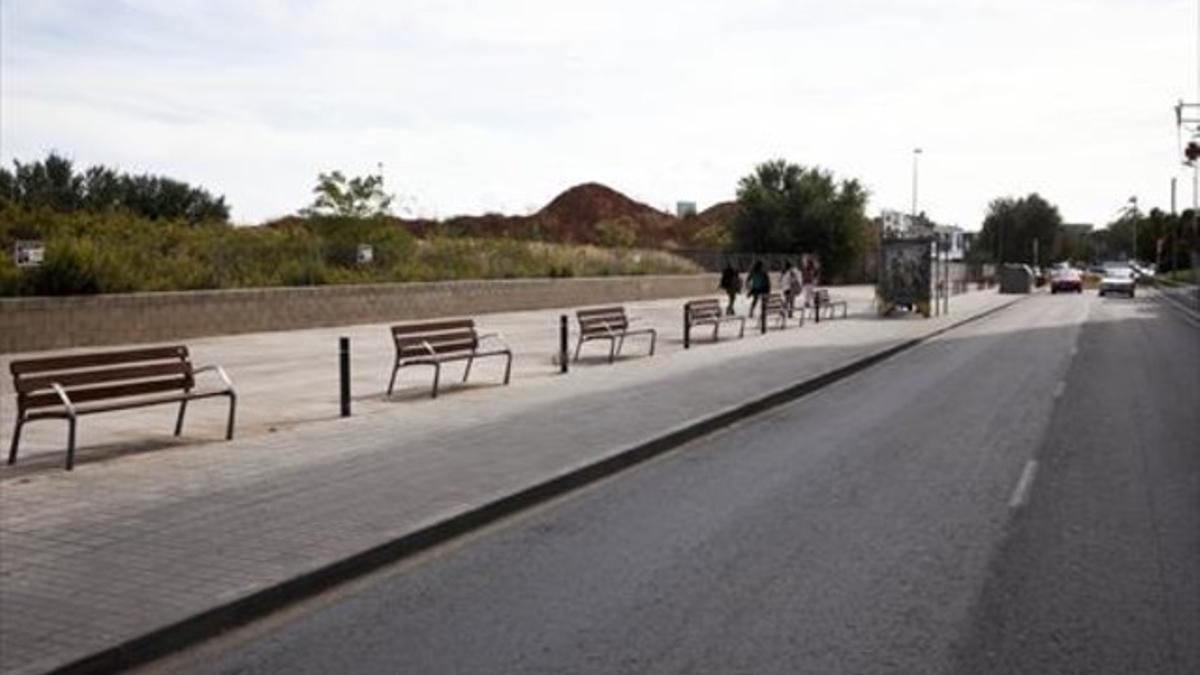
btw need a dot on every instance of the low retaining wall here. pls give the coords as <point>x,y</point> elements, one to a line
<point>35,324</point>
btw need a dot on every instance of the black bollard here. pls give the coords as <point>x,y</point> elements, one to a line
<point>562,343</point>
<point>687,329</point>
<point>816,307</point>
<point>762,314</point>
<point>344,367</point>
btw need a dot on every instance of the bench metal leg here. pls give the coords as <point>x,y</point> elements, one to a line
<point>615,348</point>
<point>70,443</point>
<point>467,372</point>
<point>653,340</point>
<point>437,376</point>
<point>232,412</point>
<point>179,420</point>
<point>508,368</point>
<point>16,440</point>
<point>717,332</point>
<point>392,382</point>
<point>578,347</point>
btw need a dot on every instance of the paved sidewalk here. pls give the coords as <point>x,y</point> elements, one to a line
<point>133,542</point>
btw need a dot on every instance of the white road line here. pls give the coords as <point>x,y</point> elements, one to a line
<point>1021,494</point>
<point>1060,388</point>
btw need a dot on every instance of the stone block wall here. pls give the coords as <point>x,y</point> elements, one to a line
<point>43,323</point>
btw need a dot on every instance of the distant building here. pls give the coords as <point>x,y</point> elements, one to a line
<point>685,209</point>
<point>900,225</point>
<point>1079,229</point>
<point>896,223</point>
<point>952,239</point>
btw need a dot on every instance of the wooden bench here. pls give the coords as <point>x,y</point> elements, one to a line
<point>773,305</point>
<point>707,312</point>
<point>821,300</point>
<point>67,387</point>
<point>608,323</point>
<point>432,343</point>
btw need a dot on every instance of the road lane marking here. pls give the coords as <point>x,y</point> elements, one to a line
<point>1060,388</point>
<point>1021,494</point>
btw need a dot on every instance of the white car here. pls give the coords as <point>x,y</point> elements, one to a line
<point>1117,280</point>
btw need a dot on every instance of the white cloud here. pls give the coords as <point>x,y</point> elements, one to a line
<point>497,106</point>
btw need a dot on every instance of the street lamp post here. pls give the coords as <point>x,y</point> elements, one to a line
<point>1133,214</point>
<point>916,155</point>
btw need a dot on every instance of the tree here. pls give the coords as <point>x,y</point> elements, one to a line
<point>1161,237</point>
<point>54,184</point>
<point>1012,225</point>
<point>358,197</point>
<point>790,209</point>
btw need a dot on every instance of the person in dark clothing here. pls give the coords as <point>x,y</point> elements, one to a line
<point>731,283</point>
<point>758,285</point>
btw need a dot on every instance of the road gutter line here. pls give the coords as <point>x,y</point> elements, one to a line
<point>1020,495</point>
<point>1183,310</point>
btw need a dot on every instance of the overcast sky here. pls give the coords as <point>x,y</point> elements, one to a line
<point>498,105</point>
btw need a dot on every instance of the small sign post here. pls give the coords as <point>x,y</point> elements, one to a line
<point>29,253</point>
<point>366,254</point>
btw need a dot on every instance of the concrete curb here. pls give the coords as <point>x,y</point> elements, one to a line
<point>208,624</point>
<point>1187,312</point>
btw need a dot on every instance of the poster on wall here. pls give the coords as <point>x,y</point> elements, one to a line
<point>905,282</point>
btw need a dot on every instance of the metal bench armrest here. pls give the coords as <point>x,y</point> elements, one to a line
<point>66,400</point>
<point>609,329</point>
<point>494,336</point>
<point>220,373</point>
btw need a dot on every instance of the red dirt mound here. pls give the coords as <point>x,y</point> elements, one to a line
<point>572,217</point>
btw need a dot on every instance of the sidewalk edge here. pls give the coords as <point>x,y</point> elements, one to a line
<point>193,630</point>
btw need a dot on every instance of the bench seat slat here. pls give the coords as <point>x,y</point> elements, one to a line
<point>123,404</point>
<point>68,379</point>
<point>83,395</point>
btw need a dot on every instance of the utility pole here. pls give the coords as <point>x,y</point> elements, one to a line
<point>1174,226</point>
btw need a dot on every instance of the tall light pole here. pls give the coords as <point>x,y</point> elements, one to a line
<point>916,154</point>
<point>1133,215</point>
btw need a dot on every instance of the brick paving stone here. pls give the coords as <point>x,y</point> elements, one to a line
<point>129,542</point>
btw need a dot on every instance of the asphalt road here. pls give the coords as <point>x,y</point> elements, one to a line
<point>1021,495</point>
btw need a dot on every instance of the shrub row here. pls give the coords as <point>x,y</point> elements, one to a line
<point>119,252</point>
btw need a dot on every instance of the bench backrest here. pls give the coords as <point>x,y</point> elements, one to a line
<point>450,336</point>
<point>703,310</point>
<point>600,320</point>
<point>99,376</point>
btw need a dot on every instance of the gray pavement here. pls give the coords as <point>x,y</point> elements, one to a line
<point>1101,572</point>
<point>887,524</point>
<point>131,542</point>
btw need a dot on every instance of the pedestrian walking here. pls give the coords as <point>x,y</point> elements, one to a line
<point>731,283</point>
<point>808,280</point>
<point>758,286</point>
<point>789,281</point>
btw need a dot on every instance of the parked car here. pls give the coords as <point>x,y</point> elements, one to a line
<point>1118,280</point>
<point>1066,279</point>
